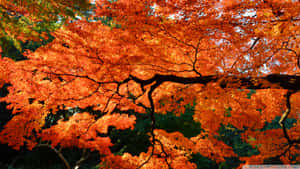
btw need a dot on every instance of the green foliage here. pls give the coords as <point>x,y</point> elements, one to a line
<point>14,49</point>
<point>203,162</point>
<point>137,140</point>
<point>228,112</point>
<point>184,123</point>
<point>232,137</point>
<point>39,16</point>
<point>275,123</point>
<point>252,91</point>
<point>131,141</point>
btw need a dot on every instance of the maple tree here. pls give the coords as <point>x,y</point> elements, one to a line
<point>238,61</point>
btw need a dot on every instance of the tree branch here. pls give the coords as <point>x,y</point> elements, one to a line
<point>57,152</point>
<point>284,117</point>
<point>272,81</point>
<point>152,111</point>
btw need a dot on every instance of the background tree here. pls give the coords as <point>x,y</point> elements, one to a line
<point>157,58</point>
<point>30,21</point>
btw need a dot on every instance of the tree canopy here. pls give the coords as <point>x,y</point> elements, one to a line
<point>236,61</point>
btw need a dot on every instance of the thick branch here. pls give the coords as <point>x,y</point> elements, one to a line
<point>285,116</point>
<point>273,81</point>
<point>152,111</point>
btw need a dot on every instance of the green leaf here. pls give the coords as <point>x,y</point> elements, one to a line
<point>17,44</point>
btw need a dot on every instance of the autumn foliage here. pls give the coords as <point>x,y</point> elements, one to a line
<point>157,56</point>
